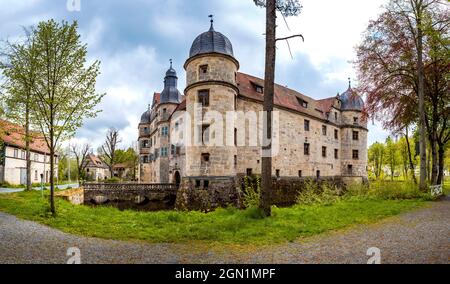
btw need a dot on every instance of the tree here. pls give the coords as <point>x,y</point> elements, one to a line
<point>392,156</point>
<point>81,154</point>
<point>64,91</point>
<point>129,157</point>
<point>376,158</point>
<point>286,8</point>
<point>108,150</point>
<point>19,71</point>
<point>392,65</point>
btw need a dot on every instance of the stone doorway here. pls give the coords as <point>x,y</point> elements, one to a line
<point>177,178</point>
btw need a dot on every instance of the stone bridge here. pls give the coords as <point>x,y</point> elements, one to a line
<point>131,195</point>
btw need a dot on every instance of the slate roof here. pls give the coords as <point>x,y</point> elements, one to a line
<point>211,42</point>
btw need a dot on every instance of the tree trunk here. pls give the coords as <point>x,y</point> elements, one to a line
<point>52,169</point>
<point>266,167</point>
<point>440,177</point>
<point>27,146</point>
<point>420,71</point>
<point>411,164</point>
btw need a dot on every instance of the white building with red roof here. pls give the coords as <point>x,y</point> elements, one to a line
<point>13,155</point>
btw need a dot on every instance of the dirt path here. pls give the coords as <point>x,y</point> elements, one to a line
<point>421,236</point>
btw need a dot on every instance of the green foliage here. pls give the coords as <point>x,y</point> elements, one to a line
<point>314,193</point>
<point>226,226</point>
<point>112,180</point>
<point>252,191</point>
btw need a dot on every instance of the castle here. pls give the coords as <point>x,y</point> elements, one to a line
<point>314,138</point>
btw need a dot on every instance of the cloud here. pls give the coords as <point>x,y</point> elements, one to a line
<point>135,39</point>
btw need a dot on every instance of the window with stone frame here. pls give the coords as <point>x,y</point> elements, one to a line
<point>336,154</point>
<point>16,153</point>
<point>300,174</point>
<point>355,155</point>
<point>203,98</point>
<point>277,173</point>
<point>306,125</point>
<point>324,130</point>
<point>249,172</point>
<point>336,134</point>
<point>205,159</point>
<point>355,135</point>
<point>306,149</point>
<point>165,131</point>
<point>324,151</point>
<point>205,133</point>
<point>355,120</point>
<point>203,69</point>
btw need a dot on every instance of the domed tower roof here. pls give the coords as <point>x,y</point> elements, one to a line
<point>350,100</point>
<point>170,94</point>
<point>211,42</point>
<point>145,117</point>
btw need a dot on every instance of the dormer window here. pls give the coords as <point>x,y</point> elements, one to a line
<point>258,88</point>
<point>203,69</point>
<point>302,102</point>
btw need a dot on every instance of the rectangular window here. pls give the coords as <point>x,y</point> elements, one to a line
<point>355,135</point>
<point>306,125</point>
<point>277,173</point>
<point>249,172</point>
<point>203,98</point>
<point>300,174</point>
<point>324,130</point>
<point>203,69</point>
<point>306,149</point>
<point>16,153</point>
<point>335,116</point>
<point>318,174</point>
<point>336,153</point>
<point>355,120</point>
<point>205,159</point>
<point>165,131</point>
<point>336,134</point>
<point>22,155</point>
<point>205,184</point>
<point>355,154</point>
<point>324,151</point>
<point>235,160</point>
<point>205,133</point>
<point>145,159</point>
<point>36,157</point>
<point>350,169</point>
<point>172,150</point>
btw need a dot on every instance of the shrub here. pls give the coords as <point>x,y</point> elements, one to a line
<point>397,190</point>
<point>315,193</point>
<point>252,190</point>
<point>113,180</point>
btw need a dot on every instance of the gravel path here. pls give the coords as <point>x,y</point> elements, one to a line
<point>421,236</point>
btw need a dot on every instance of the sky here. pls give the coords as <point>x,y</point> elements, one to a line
<point>135,39</point>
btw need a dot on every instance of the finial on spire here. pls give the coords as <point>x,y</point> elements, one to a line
<point>170,60</point>
<point>212,21</point>
<point>349,83</point>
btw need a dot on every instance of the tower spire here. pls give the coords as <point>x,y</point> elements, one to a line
<point>349,83</point>
<point>170,60</point>
<point>212,22</point>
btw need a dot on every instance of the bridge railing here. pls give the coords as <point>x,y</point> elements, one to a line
<point>131,186</point>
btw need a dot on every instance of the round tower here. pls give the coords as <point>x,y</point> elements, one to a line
<point>211,91</point>
<point>353,136</point>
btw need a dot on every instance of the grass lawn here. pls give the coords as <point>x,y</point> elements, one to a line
<point>225,226</point>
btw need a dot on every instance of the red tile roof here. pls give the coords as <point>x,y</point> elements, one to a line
<point>94,161</point>
<point>156,98</point>
<point>284,97</point>
<point>14,135</point>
